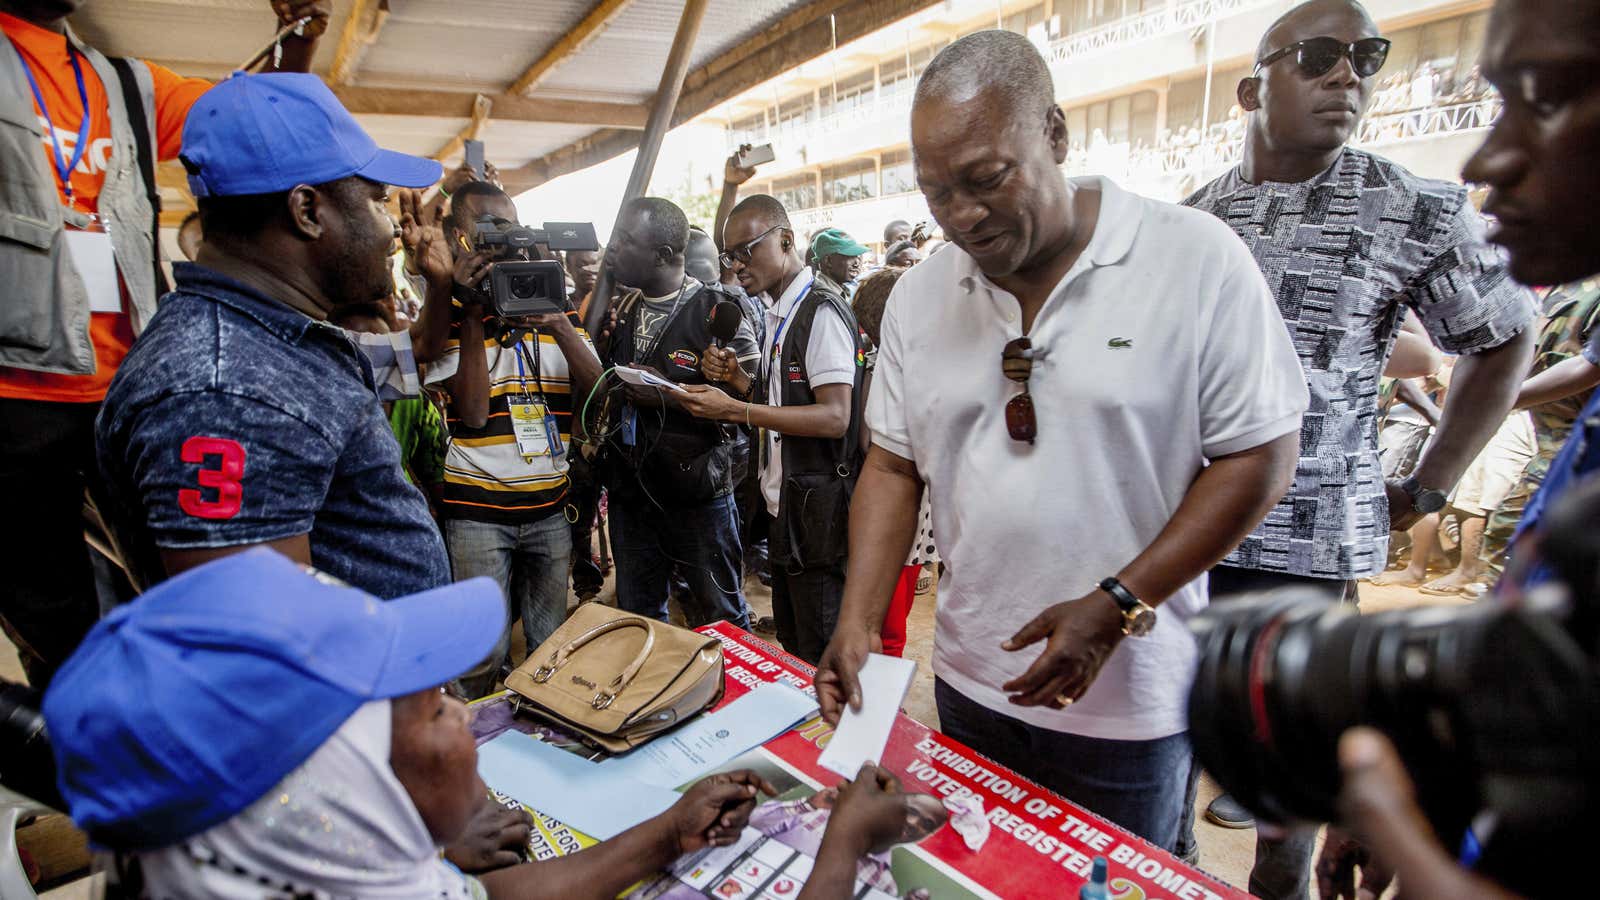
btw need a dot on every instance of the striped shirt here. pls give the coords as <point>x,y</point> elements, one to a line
<point>486,476</point>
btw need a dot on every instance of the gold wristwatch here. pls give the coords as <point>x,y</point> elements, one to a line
<point>1138,617</point>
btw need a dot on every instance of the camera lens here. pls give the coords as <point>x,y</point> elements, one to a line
<point>1487,705</point>
<point>523,287</point>
<point>1283,675</point>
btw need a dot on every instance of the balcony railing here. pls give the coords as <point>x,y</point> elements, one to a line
<point>1177,17</point>
<point>1224,142</point>
<point>883,108</point>
<point>1219,149</point>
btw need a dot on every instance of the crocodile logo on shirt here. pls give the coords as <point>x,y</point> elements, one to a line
<point>1119,343</point>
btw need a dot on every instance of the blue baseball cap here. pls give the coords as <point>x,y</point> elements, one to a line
<point>184,707</point>
<point>260,134</point>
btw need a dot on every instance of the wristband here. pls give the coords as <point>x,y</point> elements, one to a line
<point>1123,597</point>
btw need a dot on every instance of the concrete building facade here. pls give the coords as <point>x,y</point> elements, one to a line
<point>1148,87</point>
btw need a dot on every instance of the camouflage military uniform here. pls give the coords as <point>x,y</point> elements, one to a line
<point>1571,314</point>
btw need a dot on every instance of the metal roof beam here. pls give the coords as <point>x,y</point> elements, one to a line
<point>798,37</point>
<point>568,46</point>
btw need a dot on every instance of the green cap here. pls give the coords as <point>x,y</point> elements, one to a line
<point>835,241</point>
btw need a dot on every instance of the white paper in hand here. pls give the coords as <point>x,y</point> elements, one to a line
<point>861,736</point>
<point>644,378</point>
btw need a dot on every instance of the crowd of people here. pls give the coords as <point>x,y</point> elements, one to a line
<point>1193,403</point>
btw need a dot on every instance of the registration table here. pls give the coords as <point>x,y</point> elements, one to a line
<point>1029,842</point>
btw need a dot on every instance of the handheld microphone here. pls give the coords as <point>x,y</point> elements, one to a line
<point>724,320</point>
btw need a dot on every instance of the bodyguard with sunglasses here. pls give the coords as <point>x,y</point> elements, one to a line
<point>1348,241</point>
<point>1099,394</point>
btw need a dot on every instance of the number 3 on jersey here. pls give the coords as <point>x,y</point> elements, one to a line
<point>223,478</point>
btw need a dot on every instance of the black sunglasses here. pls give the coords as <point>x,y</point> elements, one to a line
<point>1016,361</point>
<point>1315,56</point>
<point>742,253</point>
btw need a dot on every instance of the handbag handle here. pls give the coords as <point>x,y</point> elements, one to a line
<point>602,699</point>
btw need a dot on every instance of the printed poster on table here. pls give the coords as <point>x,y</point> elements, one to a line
<point>1034,838</point>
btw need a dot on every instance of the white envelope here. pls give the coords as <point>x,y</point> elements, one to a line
<point>861,736</point>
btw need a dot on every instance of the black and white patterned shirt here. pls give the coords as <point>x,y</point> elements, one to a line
<point>1345,253</point>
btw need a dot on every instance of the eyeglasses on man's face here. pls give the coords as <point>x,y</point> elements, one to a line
<point>742,253</point>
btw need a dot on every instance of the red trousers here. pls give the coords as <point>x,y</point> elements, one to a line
<point>894,621</point>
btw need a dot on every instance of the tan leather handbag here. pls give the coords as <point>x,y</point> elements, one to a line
<point>618,679</point>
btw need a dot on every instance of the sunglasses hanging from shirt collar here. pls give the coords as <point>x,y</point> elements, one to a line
<point>1317,56</point>
<point>1016,361</point>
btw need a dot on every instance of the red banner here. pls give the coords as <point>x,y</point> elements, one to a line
<point>1025,841</point>
<point>1039,843</point>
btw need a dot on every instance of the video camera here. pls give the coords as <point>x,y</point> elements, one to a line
<point>1493,707</point>
<point>518,282</point>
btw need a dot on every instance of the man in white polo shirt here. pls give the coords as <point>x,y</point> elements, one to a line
<point>812,364</point>
<point>1099,392</point>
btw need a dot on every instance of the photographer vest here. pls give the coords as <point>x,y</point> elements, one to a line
<point>44,323</point>
<point>819,474</point>
<point>675,457</point>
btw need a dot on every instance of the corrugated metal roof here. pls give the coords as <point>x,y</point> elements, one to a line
<point>455,48</point>
<point>625,61</point>
<point>442,45</point>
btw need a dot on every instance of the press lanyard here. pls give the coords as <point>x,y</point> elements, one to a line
<point>533,362</point>
<point>777,337</point>
<point>63,168</point>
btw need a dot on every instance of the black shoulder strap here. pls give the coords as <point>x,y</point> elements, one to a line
<point>852,436</point>
<point>134,101</point>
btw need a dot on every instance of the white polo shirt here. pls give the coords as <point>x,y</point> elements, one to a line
<point>1161,348</point>
<point>830,359</point>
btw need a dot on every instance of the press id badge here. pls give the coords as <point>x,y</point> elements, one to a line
<point>91,254</point>
<point>530,426</point>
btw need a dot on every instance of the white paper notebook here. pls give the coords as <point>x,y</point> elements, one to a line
<point>861,736</point>
<point>643,378</point>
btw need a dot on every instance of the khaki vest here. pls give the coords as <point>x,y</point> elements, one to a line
<point>44,308</point>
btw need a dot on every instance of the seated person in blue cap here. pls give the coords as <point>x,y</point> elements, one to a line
<point>249,729</point>
<point>241,417</point>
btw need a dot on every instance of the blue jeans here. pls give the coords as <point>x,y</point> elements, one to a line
<point>529,562</point>
<point>1136,784</point>
<point>702,540</point>
<point>1283,867</point>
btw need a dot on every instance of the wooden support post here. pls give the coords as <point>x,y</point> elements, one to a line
<point>360,32</point>
<point>655,129</point>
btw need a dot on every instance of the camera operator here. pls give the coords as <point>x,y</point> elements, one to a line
<point>670,475</point>
<point>512,384</point>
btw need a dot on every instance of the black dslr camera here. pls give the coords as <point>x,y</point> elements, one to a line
<point>519,283</point>
<point>1494,707</point>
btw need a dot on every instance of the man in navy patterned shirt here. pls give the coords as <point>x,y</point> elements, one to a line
<point>1348,241</point>
<point>241,417</point>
